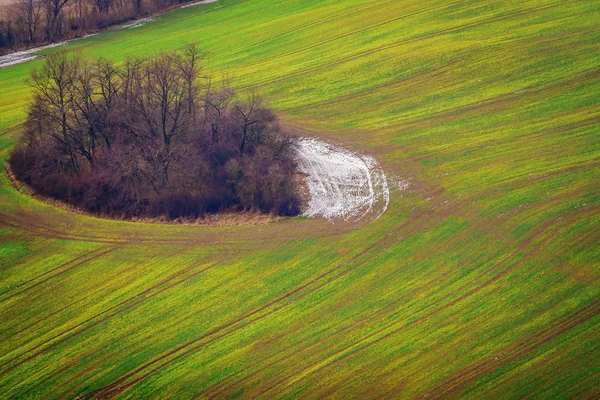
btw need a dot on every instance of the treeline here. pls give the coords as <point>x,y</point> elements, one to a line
<point>152,137</point>
<point>25,23</point>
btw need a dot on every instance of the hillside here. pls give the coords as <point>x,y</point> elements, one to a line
<point>482,278</point>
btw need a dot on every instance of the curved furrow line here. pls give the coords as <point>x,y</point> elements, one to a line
<point>235,385</point>
<point>119,386</point>
<point>192,239</point>
<point>276,305</point>
<point>161,362</point>
<point>581,383</point>
<point>23,222</point>
<point>511,184</point>
<point>159,23</point>
<point>545,132</point>
<point>280,303</point>
<point>66,263</point>
<point>345,35</point>
<point>454,384</point>
<point>29,327</point>
<point>81,299</point>
<point>212,236</point>
<point>46,232</point>
<point>558,83</point>
<point>438,71</point>
<point>386,47</point>
<point>336,278</point>
<point>295,29</point>
<point>108,314</point>
<point>50,233</point>
<point>62,269</point>
<point>213,391</point>
<point>382,333</point>
<point>431,73</point>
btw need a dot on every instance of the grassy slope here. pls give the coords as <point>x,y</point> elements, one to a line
<point>481,279</point>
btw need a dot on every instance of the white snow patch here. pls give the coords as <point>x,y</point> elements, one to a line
<point>25,55</point>
<point>199,3</point>
<point>341,184</point>
<point>136,24</point>
<point>31,54</point>
<point>400,185</point>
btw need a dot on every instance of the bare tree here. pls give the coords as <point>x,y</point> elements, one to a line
<point>137,6</point>
<point>30,11</point>
<point>53,20</point>
<point>103,6</point>
<point>190,67</point>
<point>162,105</point>
<point>254,118</point>
<point>53,99</point>
<point>216,103</point>
<point>112,138</point>
<point>109,86</point>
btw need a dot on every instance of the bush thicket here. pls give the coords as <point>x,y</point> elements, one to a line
<point>152,137</point>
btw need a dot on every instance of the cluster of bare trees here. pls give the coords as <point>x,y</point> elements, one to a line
<point>28,22</point>
<point>152,137</point>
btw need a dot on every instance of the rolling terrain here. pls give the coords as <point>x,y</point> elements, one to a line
<point>481,279</point>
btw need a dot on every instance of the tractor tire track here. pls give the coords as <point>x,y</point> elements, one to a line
<point>437,71</point>
<point>82,299</point>
<point>351,349</point>
<point>121,384</point>
<point>481,369</point>
<point>189,238</point>
<point>369,52</point>
<point>559,83</point>
<point>575,218</point>
<point>430,73</point>
<point>371,317</point>
<point>274,306</point>
<point>300,27</point>
<point>351,33</point>
<point>190,347</point>
<point>46,232</point>
<point>62,269</point>
<point>108,314</point>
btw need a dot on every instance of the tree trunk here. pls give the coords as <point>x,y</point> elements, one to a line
<point>244,139</point>
<point>165,175</point>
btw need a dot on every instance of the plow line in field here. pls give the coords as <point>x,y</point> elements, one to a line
<point>60,270</point>
<point>473,373</point>
<point>385,333</point>
<point>120,308</point>
<point>282,302</point>
<point>390,46</point>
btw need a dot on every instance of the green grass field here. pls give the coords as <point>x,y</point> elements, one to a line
<point>482,279</point>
